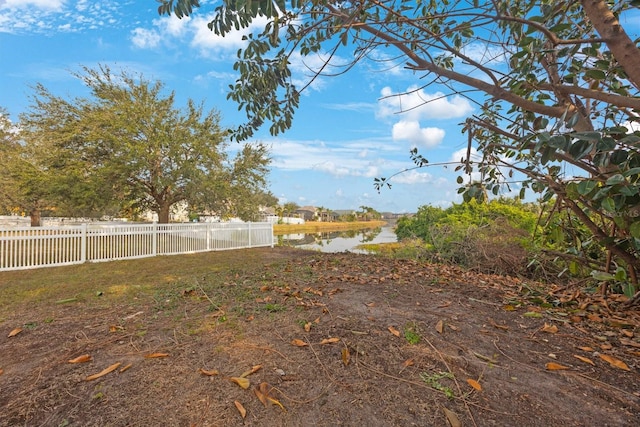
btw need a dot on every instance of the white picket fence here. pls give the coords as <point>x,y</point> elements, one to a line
<point>28,247</point>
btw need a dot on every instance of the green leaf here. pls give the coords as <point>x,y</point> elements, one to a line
<point>615,179</point>
<point>533,314</point>
<point>580,149</point>
<point>602,276</point>
<point>632,171</point>
<point>585,187</point>
<point>608,204</point>
<point>587,136</point>
<point>559,141</point>
<point>634,230</point>
<point>595,74</point>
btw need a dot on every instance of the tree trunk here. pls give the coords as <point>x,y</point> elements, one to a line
<point>163,214</point>
<point>623,48</point>
<point>36,219</point>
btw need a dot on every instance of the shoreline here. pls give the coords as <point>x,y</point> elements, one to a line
<point>314,226</point>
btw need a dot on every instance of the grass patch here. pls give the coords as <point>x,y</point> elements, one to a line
<point>411,333</point>
<point>103,284</point>
<point>313,227</point>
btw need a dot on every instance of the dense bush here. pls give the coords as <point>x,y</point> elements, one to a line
<point>493,237</point>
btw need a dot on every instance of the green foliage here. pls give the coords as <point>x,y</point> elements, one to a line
<point>495,237</point>
<point>561,79</point>
<point>435,381</point>
<point>129,145</point>
<point>411,333</point>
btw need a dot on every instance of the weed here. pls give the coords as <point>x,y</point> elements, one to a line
<point>411,333</point>
<point>433,380</point>
<point>274,307</point>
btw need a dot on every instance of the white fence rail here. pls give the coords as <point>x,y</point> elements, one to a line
<point>27,247</point>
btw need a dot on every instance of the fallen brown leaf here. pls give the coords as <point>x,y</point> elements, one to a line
<point>583,348</point>
<point>452,418</point>
<point>299,343</point>
<point>440,326</point>
<point>243,412</point>
<point>584,359</point>
<point>1,371</point>
<point>408,362</point>
<point>260,393</point>
<point>156,355</point>
<point>475,384</point>
<point>81,359</point>
<point>209,373</point>
<point>307,326</point>
<point>550,329</point>
<point>242,382</point>
<point>345,356</point>
<point>631,343</point>
<point>606,346</point>
<point>495,325</point>
<point>551,366</point>
<point>394,331</point>
<point>329,341</point>
<point>614,362</point>
<point>125,368</point>
<point>14,332</point>
<point>251,371</point>
<point>103,372</point>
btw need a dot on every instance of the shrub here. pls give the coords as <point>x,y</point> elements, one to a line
<point>493,237</point>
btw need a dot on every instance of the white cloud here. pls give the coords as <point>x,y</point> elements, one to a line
<point>346,160</point>
<point>461,155</point>
<point>632,126</point>
<point>411,131</point>
<point>413,177</point>
<point>48,16</point>
<point>145,39</point>
<point>38,4</point>
<point>195,31</point>
<point>484,54</point>
<point>415,105</point>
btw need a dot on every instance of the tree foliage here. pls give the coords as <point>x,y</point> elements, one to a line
<point>556,84</point>
<point>29,175</point>
<point>127,144</point>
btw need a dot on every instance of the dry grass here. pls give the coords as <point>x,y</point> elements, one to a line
<point>313,227</point>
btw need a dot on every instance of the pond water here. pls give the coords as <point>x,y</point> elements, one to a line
<point>338,241</point>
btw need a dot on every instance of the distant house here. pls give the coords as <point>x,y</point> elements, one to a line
<point>308,213</point>
<point>267,214</point>
<point>328,216</point>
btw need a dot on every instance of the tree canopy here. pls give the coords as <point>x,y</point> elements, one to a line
<point>129,145</point>
<point>556,85</point>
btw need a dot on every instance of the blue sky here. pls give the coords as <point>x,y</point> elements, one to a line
<point>344,135</point>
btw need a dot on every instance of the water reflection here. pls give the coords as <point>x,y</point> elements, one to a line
<point>338,241</point>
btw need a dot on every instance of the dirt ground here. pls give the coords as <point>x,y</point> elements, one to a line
<point>325,340</point>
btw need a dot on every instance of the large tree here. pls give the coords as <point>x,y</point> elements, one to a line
<point>134,146</point>
<point>556,83</point>
<point>28,173</point>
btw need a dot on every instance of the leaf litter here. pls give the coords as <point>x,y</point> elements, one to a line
<point>497,369</point>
